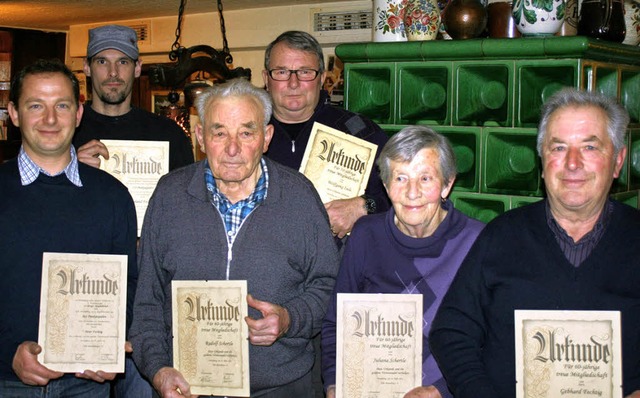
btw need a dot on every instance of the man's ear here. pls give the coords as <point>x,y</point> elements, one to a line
<point>13,114</point>
<point>268,135</point>
<point>86,67</point>
<point>138,68</point>
<point>199,136</point>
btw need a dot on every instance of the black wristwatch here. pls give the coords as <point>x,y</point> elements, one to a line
<point>369,204</point>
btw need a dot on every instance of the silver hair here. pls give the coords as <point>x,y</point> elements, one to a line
<point>298,40</point>
<point>405,145</point>
<point>617,116</point>
<point>239,87</point>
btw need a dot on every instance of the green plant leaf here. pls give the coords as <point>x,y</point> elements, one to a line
<point>517,11</point>
<point>530,16</point>
<point>546,5</point>
<point>561,10</point>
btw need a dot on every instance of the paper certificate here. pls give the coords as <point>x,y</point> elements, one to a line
<point>83,305</point>
<point>138,165</point>
<point>211,337</point>
<point>379,345</point>
<point>338,164</point>
<point>568,354</point>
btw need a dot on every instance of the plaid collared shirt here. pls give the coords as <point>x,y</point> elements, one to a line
<point>234,214</point>
<point>29,171</point>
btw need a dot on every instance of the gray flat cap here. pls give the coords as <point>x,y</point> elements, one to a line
<point>117,37</point>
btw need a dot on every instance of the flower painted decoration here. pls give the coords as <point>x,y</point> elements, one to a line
<point>390,18</point>
<point>423,16</point>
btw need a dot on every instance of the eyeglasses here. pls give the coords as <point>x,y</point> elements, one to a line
<point>304,75</point>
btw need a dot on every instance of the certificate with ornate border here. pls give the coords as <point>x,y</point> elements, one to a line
<point>378,345</point>
<point>138,165</point>
<point>338,164</point>
<point>211,337</point>
<point>83,307</point>
<point>568,354</point>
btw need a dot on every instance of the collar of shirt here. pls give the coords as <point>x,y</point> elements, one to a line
<point>578,251</point>
<point>234,214</point>
<point>29,170</point>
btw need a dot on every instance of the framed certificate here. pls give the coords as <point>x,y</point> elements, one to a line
<point>568,354</point>
<point>338,164</point>
<point>83,306</point>
<point>211,337</point>
<point>379,345</point>
<point>138,165</point>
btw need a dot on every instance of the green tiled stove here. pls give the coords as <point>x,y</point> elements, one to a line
<point>485,96</point>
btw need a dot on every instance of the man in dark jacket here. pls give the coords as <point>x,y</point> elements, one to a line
<point>294,74</point>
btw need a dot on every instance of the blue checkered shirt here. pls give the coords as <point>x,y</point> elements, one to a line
<point>234,214</point>
<point>29,171</point>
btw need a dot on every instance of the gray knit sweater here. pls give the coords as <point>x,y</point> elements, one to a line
<point>284,249</point>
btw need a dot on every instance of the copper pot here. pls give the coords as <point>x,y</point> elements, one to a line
<point>465,19</point>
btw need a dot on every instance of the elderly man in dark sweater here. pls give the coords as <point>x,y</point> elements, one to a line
<point>576,250</point>
<point>231,217</point>
<point>51,203</point>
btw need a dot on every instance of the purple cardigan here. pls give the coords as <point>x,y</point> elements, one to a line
<point>379,258</point>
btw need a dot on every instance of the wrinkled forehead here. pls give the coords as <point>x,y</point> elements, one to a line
<point>576,125</point>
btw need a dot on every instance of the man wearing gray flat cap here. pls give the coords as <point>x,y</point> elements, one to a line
<point>113,64</point>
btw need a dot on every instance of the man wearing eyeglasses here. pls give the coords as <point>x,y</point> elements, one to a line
<point>294,75</point>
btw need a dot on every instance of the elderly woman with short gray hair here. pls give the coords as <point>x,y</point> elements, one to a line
<point>414,248</point>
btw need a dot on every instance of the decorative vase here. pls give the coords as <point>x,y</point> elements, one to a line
<point>421,19</point>
<point>465,19</point>
<point>632,22</point>
<point>538,18</point>
<point>388,24</point>
<point>602,19</point>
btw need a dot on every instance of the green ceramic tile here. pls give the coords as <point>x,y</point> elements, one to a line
<point>630,198</point>
<point>493,90</point>
<point>510,163</point>
<point>540,49</point>
<point>483,93</point>
<point>390,129</point>
<point>633,156</point>
<point>466,147</point>
<point>621,184</point>
<point>424,93</point>
<point>536,82</point>
<point>479,206</point>
<point>370,90</point>
<point>519,201</point>
<point>630,93</point>
<point>607,80</point>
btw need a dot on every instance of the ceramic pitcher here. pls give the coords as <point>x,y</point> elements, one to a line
<point>602,19</point>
